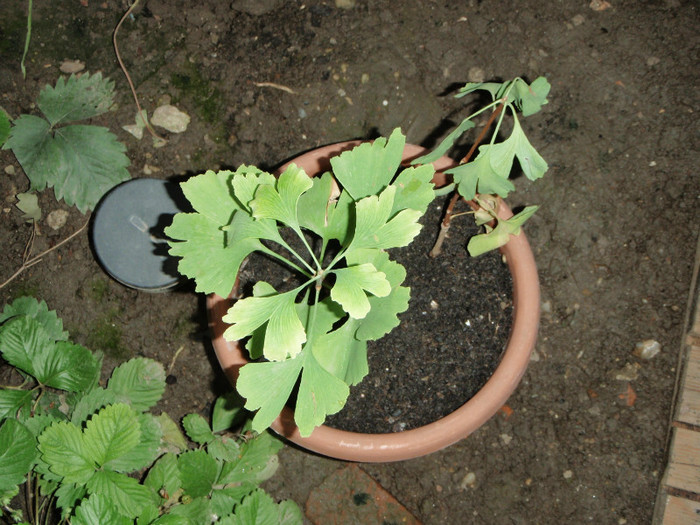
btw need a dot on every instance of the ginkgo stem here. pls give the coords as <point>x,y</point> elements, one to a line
<point>445,225</point>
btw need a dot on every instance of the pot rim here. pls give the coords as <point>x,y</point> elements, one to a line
<point>408,444</point>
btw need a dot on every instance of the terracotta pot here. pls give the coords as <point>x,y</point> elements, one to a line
<point>459,424</point>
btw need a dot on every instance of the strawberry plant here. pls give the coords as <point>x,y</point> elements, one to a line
<point>312,337</point>
<point>86,454</point>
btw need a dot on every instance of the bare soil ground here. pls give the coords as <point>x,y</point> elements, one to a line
<point>614,238</point>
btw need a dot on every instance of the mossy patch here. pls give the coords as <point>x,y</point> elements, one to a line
<point>106,334</point>
<point>207,98</point>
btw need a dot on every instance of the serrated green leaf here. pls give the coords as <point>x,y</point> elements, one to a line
<point>198,471</point>
<point>67,496</point>
<point>350,286</point>
<point>279,202</point>
<point>256,463</point>
<point>39,311</point>
<point>69,367</point>
<point>28,204</point>
<point>227,411</point>
<point>173,439</point>
<point>444,146</point>
<point>224,448</point>
<point>11,401</point>
<point>284,334</point>
<point>81,163</point>
<point>145,451</point>
<point>165,475</point>
<point>267,386</point>
<point>499,235</point>
<point>97,509</point>
<point>140,382</point>
<point>112,433</point>
<point>27,345</point>
<point>78,98</point>
<point>195,512</point>
<point>90,403</point>
<point>4,127</point>
<point>61,446</point>
<point>197,429</point>
<point>480,176</point>
<point>17,453</point>
<point>259,509</point>
<point>369,168</point>
<point>375,229</point>
<point>125,493</point>
<point>320,394</point>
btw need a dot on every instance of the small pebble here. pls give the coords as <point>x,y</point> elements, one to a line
<point>647,349</point>
<point>170,118</point>
<point>568,474</point>
<point>476,74</point>
<point>71,66</point>
<point>630,372</point>
<point>506,439</point>
<point>10,169</point>
<point>57,219</point>
<point>578,20</point>
<point>468,481</point>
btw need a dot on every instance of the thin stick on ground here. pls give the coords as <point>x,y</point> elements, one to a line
<point>27,262</point>
<point>449,210</point>
<point>128,77</point>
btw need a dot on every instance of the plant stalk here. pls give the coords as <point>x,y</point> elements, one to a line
<point>128,77</point>
<point>449,210</point>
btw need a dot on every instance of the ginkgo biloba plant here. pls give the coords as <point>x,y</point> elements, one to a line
<point>83,453</point>
<point>310,341</point>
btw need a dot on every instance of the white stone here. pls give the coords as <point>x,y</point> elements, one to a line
<point>647,349</point>
<point>170,118</point>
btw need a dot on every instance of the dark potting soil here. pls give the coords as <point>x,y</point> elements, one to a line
<point>449,342</point>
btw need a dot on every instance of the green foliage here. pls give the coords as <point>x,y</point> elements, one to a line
<point>489,173</point>
<point>310,340</point>
<point>86,447</point>
<point>351,291</point>
<point>81,162</point>
<point>4,126</point>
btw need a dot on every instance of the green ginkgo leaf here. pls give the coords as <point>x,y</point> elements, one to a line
<point>414,189</point>
<point>530,99</point>
<point>341,353</point>
<point>370,167</point>
<point>375,229</point>
<point>266,388</point>
<point>279,202</point>
<point>320,394</point>
<point>351,285</point>
<point>480,176</point>
<point>284,332</point>
<point>500,235</point>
